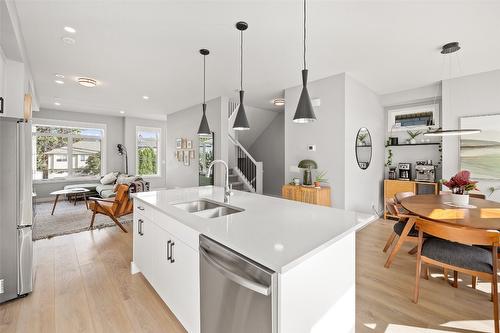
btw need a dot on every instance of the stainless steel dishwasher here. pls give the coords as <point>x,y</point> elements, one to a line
<point>237,294</point>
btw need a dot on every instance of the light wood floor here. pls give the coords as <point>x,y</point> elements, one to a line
<point>83,284</point>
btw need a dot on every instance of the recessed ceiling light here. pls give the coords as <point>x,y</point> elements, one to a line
<point>87,82</point>
<point>122,112</point>
<point>279,101</point>
<point>145,97</point>
<point>57,103</point>
<point>59,81</point>
<point>69,40</point>
<point>71,30</point>
<point>59,76</point>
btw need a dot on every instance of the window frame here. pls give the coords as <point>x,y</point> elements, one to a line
<point>158,149</point>
<point>71,124</point>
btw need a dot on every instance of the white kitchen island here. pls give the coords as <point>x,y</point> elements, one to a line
<point>311,248</point>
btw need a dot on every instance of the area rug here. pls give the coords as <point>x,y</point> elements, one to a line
<point>68,219</point>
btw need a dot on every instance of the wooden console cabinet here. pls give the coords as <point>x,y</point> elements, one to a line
<point>391,187</point>
<point>318,196</point>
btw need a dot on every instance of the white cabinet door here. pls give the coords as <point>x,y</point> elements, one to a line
<point>143,235</point>
<point>2,78</point>
<point>14,89</point>
<point>185,277</point>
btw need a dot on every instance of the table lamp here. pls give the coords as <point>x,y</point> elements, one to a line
<point>307,165</point>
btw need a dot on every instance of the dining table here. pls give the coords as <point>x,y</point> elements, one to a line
<point>479,214</point>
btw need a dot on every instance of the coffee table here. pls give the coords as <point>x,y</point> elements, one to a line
<point>74,192</point>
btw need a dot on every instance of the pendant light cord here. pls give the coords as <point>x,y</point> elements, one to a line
<point>305,15</point>
<point>204,71</point>
<point>241,60</point>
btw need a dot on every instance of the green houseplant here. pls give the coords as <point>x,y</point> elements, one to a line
<point>320,178</point>
<point>413,135</point>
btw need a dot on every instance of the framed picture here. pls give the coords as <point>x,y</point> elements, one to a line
<point>183,143</point>
<point>178,154</point>
<point>178,143</point>
<point>480,153</point>
<point>186,157</point>
<point>189,144</point>
<point>191,154</point>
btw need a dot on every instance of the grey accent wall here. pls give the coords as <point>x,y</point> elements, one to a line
<point>346,106</point>
<point>269,148</point>
<point>184,124</point>
<point>472,95</point>
<point>114,136</point>
<point>130,125</point>
<point>327,133</point>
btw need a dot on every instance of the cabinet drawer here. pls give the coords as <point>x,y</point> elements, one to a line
<point>143,209</point>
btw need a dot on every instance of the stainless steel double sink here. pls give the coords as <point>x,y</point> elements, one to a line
<point>207,208</point>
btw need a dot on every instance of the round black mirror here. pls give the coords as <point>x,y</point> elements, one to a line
<point>363,148</point>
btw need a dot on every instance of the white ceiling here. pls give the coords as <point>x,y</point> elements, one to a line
<point>136,48</point>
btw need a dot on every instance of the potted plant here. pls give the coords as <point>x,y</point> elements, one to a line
<point>413,135</point>
<point>320,179</point>
<point>460,185</point>
<point>362,138</point>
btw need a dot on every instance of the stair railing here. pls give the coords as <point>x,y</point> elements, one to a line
<point>247,168</point>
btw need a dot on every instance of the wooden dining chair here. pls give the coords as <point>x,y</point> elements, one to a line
<point>452,248</point>
<point>402,195</point>
<point>403,229</point>
<point>114,208</point>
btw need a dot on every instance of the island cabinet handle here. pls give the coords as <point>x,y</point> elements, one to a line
<point>139,227</point>
<point>169,256</point>
<point>140,208</point>
<point>172,260</point>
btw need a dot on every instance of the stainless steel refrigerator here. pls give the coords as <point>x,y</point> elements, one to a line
<point>16,244</point>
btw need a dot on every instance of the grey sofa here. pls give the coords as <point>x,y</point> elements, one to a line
<point>96,189</point>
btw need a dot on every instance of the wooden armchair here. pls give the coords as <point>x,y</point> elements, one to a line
<point>119,206</point>
<point>404,228</point>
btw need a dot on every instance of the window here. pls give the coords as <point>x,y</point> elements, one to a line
<point>67,150</point>
<point>148,151</point>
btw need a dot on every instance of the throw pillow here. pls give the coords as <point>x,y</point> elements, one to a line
<point>108,179</point>
<point>123,179</point>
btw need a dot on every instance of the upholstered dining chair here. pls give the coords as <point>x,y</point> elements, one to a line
<point>453,248</point>
<point>120,206</point>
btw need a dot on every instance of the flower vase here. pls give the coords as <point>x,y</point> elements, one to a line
<point>413,141</point>
<point>460,199</point>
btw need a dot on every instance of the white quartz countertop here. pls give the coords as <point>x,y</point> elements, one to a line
<point>274,232</point>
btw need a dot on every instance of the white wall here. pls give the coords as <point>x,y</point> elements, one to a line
<point>184,124</point>
<point>269,148</point>
<point>346,106</point>
<point>114,136</point>
<point>363,188</point>
<point>259,120</point>
<point>327,133</point>
<point>472,95</point>
<point>130,125</point>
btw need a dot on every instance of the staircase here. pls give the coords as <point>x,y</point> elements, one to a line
<point>245,172</point>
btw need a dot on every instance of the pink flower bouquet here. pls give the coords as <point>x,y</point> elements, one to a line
<point>461,183</point>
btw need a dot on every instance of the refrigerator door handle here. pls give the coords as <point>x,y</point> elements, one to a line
<point>24,178</point>
<point>25,260</point>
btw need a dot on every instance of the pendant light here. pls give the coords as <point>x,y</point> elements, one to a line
<point>450,48</point>
<point>241,121</point>
<point>305,111</point>
<point>204,129</point>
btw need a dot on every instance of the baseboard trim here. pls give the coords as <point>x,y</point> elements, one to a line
<point>133,268</point>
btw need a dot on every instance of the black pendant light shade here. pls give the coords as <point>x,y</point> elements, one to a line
<point>204,129</point>
<point>241,121</point>
<point>305,111</point>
